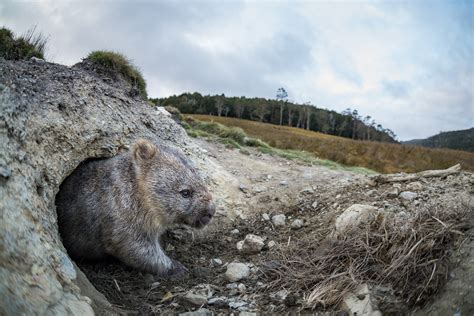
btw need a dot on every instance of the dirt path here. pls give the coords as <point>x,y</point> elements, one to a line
<point>265,183</point>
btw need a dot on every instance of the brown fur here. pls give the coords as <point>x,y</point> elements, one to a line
<point>120,206</point>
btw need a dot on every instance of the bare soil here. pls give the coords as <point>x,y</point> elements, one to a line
<point>272,185</point>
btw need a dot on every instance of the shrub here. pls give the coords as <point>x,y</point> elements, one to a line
<point>117,62</point>
<point>31,44</point>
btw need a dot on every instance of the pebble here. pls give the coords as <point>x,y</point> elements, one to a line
<point>415,186</point>
<point>265,216</point>
<point>216,262</point>
<point>408,195</point>
<point>315,204</point>
<point>297,224</point>
<point>252,244</point>
<point>243,188</point>
<point>195,299</point>
<point>307,191</point>
<point>279,220</point>
<point>234,232</point>
<point>242,288</point>
<point>284,183</point>
<point>199,312</point>
<point>237,271</point>
<point>393,193</point>
<point>271,244</point>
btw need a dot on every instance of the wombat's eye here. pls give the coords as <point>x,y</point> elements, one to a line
<point>185,193</point>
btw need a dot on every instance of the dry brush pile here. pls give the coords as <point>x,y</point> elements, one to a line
<point>406,252</point>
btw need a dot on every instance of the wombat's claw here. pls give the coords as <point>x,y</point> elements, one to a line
<point>177,271</point>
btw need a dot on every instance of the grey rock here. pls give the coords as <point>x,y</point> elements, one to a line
<point>271,244</point>
<point>252,244</point>
<point>243,188</point>
<point>297,224</point>
<point>220,301</point>
<point>195,299</point>
<point>279,220</point>
<point>393,192</point>
<point>237,304</point>
<point>237,271</point>
<point>414,186</point>
<point>307,191</point>
<point>242,288</point>
<point>235,232</point>
<point>216,262</point>
<point>353,216</point>
<point>408,196</point>
<point>199,312</point>
<point>284,183</point>
<point>265,216</point>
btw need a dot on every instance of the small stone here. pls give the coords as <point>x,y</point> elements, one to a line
<point>259,189</point>
<point>338,196</point>
<point>242,288</point>
<point>297,224</point>
<point>279,220</point>
<point>234,232</point>
<point>353,216</point>
<point>360,302</point>
<point>265,216</point>
<point>231,286</point>
<point>237,304</point>
<point>199,312</point>
<point>195,299</point>
<point>393,192</point>
<point>315,204</point>
<point>415,186</point>
<point>271,244</point>
<point>307,191</point>
<point>220,301</point>
<point>216,262</point>
<point>408,196</point>
<point>370,192</point>
<point>284,183</point>
<point>397,185</point>
<point>252,244</point>
<point>237,271</point>
<point>269,177</point>
<point>243,188</point>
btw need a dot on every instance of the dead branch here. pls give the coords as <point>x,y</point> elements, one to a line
<point>400,177</point>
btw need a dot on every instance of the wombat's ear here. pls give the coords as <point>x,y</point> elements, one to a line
<point>144,150</point>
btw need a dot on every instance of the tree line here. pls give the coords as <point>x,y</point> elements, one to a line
<point>280,111</point>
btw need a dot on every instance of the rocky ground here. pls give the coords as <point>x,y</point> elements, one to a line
<point>238,264</point>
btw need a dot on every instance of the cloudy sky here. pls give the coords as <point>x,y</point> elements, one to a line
<point>409,65</point>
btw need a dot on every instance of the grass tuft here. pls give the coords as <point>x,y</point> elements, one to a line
<point>31,44</point>
<point>116,62</point>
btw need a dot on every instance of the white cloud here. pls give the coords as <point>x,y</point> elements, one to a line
<point>408,65</point>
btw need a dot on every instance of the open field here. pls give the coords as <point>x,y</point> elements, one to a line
<point>382,157</point>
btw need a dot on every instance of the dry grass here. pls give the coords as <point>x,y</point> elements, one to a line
<point>382,157</point>
<point>408,253</point>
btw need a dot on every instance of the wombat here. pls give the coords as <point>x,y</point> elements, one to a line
<point>120,206</point>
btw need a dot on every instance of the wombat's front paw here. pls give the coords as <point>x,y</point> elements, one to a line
<point>178,270</point>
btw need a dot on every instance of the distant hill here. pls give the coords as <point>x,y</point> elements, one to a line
<point>460,140</point>
<point>380,156</point>
<point>280,111</point>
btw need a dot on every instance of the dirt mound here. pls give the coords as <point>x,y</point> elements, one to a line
<point>52,118</point>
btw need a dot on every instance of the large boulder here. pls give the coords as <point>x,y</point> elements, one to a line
<point>52,118</point>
